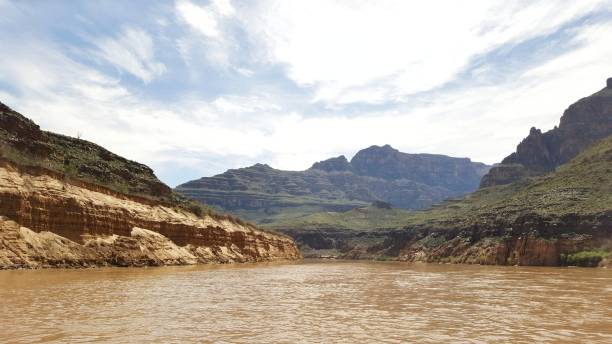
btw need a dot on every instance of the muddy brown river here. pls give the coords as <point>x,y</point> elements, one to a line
<point>308,302</point>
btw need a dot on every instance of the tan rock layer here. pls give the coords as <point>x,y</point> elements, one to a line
<point>90,225</point>
<point>525,247</point>
<point>527,250</point>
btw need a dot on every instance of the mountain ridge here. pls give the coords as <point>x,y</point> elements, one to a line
<point>377,173</point>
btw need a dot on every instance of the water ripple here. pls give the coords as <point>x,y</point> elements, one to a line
<point>309,302</point>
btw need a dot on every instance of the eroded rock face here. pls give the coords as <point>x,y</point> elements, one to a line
<point>23,141</point>
<point>334,164</point>
<point>498,246</point>
<point>530,240</point>
<point>504,174</point>
<point>459,174</point>
<point>50,222</point>
<point>525,250</point>
<point>583,123</point>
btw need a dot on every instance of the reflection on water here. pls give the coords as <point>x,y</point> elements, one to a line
<point>311,301</point>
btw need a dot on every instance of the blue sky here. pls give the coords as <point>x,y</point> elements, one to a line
<point>193,88</point>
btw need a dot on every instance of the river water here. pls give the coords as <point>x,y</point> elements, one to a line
<point>308,302</point>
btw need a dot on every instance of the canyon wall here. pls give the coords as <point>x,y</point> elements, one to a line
<point>582,124</point>
<point>47,221</point>
<point>537,241</point>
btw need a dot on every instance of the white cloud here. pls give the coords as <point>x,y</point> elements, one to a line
<point>132,51</point>
<point>244,71</point>
<point>348,52</point>
<point>200,18</point>
<point>236,104</point>
<point>205,19</point>
<point>583,64</point>
<point>386,50</point>
<point>223,7</point>
<point>208,22</point>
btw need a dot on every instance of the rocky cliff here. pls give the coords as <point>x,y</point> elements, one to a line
<point>561,218</point>
<point>550,203</point>
<point>412,181</point>
<point>583,123</point>
<point>50,217</point>
<point>23,142</point>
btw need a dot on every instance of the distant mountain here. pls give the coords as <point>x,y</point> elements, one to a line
<point>583,123</point>
<point>410,181</point>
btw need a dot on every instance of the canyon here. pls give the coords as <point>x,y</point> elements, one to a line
<point>68,202</point>
<point>547,204</point>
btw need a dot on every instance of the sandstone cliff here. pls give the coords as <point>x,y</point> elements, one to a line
<point>66,202</point>
<point>58,223</point>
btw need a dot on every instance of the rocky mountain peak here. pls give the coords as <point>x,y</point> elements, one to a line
<point>376,150</point>
<point>4,107</point>
<point>339,163</point>
<point>583,123</point>
<point>20,131</point>
<point>261,167</point>
<point>373,155</point>
<point>535,131</point>
<point>438,170</point>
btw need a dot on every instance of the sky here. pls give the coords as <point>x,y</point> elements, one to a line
<point>193,88</point>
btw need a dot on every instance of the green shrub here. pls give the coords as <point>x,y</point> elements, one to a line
<point>584,258</point>
<point>432,241</point>
<point>199,210</point>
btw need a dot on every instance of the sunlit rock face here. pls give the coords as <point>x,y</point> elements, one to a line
<point>79,224</point>
<point>106,210</point>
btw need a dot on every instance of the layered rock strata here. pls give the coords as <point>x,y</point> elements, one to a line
<point>48,221</point>
<point>412,181</point>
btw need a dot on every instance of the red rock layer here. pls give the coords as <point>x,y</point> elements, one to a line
<point>43,202</point>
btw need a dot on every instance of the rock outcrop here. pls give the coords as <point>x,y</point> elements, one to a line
<point>66,202</point>
<point>22,141</point>
<point>459,175</point>
<point>530,241</point>
<point>338,164</point>
<point>58,223</point>
<point>583,123</point>
<point>411,181</point>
